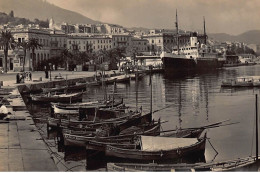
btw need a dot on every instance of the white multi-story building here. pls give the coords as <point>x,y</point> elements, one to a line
<point>16,56</point>
<point>86,42</point>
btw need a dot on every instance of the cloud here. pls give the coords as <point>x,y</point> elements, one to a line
<point>230,16</point>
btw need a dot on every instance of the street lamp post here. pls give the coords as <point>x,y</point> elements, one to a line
<point>50,70</point>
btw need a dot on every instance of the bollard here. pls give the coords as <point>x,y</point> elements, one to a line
<point>1,84</point>
<point>40,78</point>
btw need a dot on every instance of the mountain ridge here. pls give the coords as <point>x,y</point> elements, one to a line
<point>43,10</point>
<point>249,37</point>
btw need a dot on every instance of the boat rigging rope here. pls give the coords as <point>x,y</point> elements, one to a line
<point>55,154</point>
<point>212,146</point>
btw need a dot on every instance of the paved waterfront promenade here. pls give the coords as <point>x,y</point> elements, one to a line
<point>9,79</point>
<point>21,145</point>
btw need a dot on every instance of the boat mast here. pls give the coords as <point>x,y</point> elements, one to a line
<point>151,93</point>
<point>177,32</point>
<point>205,36</point>
<point>256,107</point>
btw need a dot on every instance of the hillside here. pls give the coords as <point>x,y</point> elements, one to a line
<point>249,37</point>
<point>42,10</point>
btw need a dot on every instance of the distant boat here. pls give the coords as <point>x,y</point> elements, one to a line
<point>119,79</point>
<point>243,81</point>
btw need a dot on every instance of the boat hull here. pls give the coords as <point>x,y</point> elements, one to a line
<point>135,154</point>
<point>73,98</point>
<point>172,64</point>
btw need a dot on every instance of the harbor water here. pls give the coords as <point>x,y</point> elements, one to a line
<point>190,101</point>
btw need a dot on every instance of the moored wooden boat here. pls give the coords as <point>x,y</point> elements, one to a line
<point>92,104</point>
<point>57,98</point>
<point>154,167</point>
<point>63,88</point>
<point>243,164</point>
<point>119,79</point>
<point>159,148</point>
<point>100,142</point>
<point>68,122</point>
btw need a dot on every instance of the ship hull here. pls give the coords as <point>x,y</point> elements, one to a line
<point>173,65</point>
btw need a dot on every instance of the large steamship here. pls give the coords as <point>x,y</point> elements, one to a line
<point>193,57</point>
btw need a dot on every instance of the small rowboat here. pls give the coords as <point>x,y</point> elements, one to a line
<point>57,98</point>
<point>159,148</point>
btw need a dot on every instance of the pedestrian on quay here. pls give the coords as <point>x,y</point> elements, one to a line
<point>46,74</point>
<point>30,76</point>
<point>17,78</point>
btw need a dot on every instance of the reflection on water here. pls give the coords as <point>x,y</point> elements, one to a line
<point>195,100</point>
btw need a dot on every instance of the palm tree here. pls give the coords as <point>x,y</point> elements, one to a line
<point>7,40</point>
<point>33,44</point>
<point>24,45</point>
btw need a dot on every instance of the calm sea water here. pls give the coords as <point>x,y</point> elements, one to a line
<point>197,100</point>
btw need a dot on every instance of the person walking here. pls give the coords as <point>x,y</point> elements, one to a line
<point>30,76</point>
<point>17,78</point>
<point>46,74</point>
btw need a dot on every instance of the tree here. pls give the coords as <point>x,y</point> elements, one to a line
<point>32,45</point>
<point>66,55</point>
<point>7,40</point>
<point>24,45</point>
<point>133,54</point>
<point>116,54</point>
<point>11,14</point>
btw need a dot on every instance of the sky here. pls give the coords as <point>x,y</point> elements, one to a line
<point>222,16</point>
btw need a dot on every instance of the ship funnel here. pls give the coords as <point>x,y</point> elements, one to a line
<point>193,39</point>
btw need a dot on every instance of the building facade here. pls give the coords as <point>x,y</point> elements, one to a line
<point>88,43</point>
<point>40,54</point>
<point>58,42</point>
<point>167,41</point>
